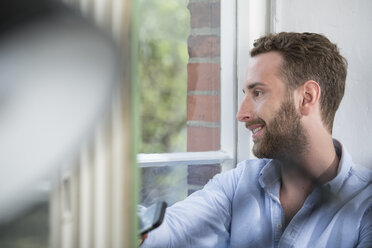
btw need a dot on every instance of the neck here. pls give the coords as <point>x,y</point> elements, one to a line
<point>304,170</point>
<point>317,165</point>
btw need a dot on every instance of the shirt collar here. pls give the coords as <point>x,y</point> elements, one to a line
<point>270,173</point>
<point>344,168</point>
<point>269,179</point>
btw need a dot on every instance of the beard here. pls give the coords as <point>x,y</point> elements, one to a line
<point>284,137</point>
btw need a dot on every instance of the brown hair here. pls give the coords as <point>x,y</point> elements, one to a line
<point>309,56</point>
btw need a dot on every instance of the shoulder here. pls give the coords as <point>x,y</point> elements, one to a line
<point>357,187</point>
<point>349,167</point>
<point>246,168</point>
<point>363,173</point>
<point>247,171</point>
<point>360,180</point>
<point>365,229</point>
<point>252,166</point>
<point>352,176</point>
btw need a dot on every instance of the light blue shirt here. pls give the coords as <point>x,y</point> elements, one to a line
<point>241,208</point>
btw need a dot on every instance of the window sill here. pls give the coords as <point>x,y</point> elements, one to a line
<point>183,158</point>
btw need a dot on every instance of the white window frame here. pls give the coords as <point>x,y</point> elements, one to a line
<point>255,18</point>
<point>226,156</point>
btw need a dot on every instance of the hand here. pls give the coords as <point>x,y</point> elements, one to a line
<point>143,237</point>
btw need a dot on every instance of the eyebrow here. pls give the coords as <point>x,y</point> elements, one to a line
<point>251,86</point>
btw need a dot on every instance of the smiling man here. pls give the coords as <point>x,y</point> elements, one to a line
<point>304,190</point>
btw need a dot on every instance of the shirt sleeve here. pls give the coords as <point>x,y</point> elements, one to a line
<point>201,220</point>
<point>365,237</point>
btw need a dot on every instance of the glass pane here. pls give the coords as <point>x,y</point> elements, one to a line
<point>163,32</point>
<point>174,182</point>
<point>179,66</point>
<point>167,184</point>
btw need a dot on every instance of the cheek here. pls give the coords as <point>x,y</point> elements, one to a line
<point>266,110</point>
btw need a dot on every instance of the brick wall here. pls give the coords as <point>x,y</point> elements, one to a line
<point>203,91</point>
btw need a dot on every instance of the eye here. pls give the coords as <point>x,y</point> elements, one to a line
<point>257,93</point>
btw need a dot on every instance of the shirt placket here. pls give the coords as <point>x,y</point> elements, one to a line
<point>277,217</point>
<point>291,233</point>
<point>277,222</point>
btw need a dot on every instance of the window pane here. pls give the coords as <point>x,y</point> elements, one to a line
<point>174,182</point>
<point>167,183</point>
<point>180,75</point>
<point>180,92</point>
<point>163,61</point>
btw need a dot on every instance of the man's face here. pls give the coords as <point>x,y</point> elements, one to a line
<point>268,110</point>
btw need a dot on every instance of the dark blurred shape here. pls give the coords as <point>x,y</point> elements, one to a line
<point>17,12</point>
<point>29,230</point>
<point>57,76</point>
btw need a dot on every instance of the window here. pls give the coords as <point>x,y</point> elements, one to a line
<point>188,137</point>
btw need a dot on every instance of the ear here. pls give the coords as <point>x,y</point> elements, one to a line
<point>309,94</point>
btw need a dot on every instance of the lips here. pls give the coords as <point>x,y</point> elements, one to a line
<point>256,129</point>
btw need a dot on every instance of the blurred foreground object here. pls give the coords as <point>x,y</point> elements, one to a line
<point>64,96</point>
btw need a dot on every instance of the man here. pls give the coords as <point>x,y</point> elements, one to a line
<point>304,191</point>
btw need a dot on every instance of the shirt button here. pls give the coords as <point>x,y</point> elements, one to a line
<point>279,226</point>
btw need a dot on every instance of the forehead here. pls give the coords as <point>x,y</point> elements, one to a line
<point>264,68</point>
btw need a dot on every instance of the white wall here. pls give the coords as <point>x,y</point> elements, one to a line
<point>347,23</point>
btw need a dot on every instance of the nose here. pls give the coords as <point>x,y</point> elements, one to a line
<point>245,112</point>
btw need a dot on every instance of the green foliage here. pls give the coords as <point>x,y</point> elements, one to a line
<point>164,27</point>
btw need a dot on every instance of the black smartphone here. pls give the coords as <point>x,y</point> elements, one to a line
<point>152,217</point>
